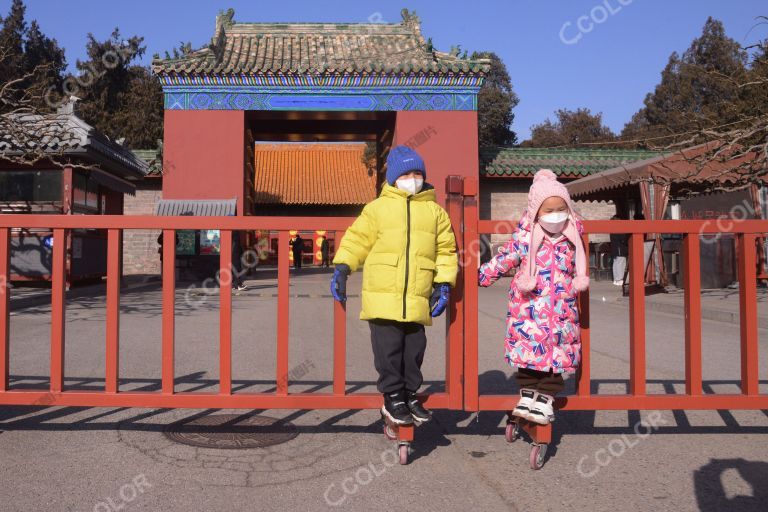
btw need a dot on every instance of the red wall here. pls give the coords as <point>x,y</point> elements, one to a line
<point>450,146</point>
<point>203,155</point>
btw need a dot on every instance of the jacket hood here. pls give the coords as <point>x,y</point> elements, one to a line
<point>427,193</point>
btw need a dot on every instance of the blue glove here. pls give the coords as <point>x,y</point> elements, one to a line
<point>339,282</point>
<point>439,299</point>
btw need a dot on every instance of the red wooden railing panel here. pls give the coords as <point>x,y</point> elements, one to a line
<point>748,306</point>
<point>636,315</point>
<point>169,310</point>
<point>692,291</point>
<point>583,375</point>
<point>283,305</point>
<point>225,313</point>
<point>471,263</point>
<point>5,318</point>
<point>58,288</point>
<point>462,330</point>
<point>113,312</point>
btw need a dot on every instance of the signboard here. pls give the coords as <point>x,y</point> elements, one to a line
<point>725,205</point>
<point>210,242</point>
<point>186,242</point>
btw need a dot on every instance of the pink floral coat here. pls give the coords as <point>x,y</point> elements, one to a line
<point>542,325</point>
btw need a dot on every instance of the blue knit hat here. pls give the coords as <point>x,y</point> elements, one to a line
<point>402,160</point>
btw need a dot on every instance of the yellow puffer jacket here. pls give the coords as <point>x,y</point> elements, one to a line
<point>407,245</point>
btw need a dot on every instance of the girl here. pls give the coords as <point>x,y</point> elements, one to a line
<point>542,338</point>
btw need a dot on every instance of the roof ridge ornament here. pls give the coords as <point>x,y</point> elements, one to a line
<point>224,20</point>
<point>411,21</point>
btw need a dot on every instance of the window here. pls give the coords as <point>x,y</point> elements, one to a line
<point>85,191</point>
<point>30,186</point>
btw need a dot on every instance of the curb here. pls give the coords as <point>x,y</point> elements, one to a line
<point>718,315</point>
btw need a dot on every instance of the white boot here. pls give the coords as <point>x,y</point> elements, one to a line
<point>542,411</point>
<point>523,408</point>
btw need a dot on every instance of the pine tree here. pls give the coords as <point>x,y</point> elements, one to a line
<point>697,90</point>
<point>495,102</point>
<point>121,98</point>
<point>572,128</point>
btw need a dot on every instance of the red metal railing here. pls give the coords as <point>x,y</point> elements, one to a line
<point>57,394</point>
<point>747,232</point>
<point>461,372</point>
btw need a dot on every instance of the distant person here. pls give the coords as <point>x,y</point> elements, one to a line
<point>297,246</point>
<point>619,251</point>
<point>160,249</point>
<point>324,250</point>
<point>237,263</point>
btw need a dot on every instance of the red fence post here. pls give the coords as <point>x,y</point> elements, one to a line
<point>5,292</point>
<point>692,290</point>
<point>583,374</point>
<point>113,311</point>
<point>454,335</point>
<point>471,264</point>
<point>339,342</point>
<point>636,315</point>
<point>169,307</point>
<point>748,314</point>
<point>225,313</point>
<point>57,309</point>
<point>283,305</point>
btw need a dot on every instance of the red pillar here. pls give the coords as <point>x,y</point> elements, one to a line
<point>446,140</point>
<point>204,147</point>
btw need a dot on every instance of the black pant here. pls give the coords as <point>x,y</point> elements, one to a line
<point>549,383</point>
<point>398,351</point>
<point>296,260</point>
<point>237,266</point>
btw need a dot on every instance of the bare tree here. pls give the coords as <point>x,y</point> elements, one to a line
<point>710,115</point>
<point>29,135</point>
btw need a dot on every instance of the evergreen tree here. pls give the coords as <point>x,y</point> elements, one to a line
<point>120,98</point>
<point>495,102</point>
<point>697,90</point>
<point>571,129</point>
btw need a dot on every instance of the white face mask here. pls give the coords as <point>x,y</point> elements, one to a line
<point>554,222</point>
<point>411,185</point>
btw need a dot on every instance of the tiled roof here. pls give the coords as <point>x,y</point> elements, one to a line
<point>63,134</point>
<point>312,174</point>
<point>196,207</point>
<point>153,158</point>
<point>318,48</point>
<point>566,163</point>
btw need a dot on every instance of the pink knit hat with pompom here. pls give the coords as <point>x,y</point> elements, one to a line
<point>545,185</point>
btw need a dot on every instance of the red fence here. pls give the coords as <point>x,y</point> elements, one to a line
<point>461,334</point>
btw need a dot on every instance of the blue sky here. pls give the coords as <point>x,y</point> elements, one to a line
<point>610,68</point>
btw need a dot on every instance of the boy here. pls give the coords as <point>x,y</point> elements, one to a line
<point>405,241</point>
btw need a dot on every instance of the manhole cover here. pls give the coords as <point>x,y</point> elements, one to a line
<point>231,431</point>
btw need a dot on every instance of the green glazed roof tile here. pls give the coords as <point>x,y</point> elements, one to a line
<point>566,163</point>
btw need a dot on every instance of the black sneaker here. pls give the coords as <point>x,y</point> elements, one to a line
<point>418,411</point>
<point>395,409</point>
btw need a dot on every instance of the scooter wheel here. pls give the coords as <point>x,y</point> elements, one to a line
<point>390,433</point>
<point>537,456</point>
<point>403,449</point>
<point>512,432</point>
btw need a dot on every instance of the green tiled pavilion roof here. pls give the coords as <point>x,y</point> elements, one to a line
<point>566,163</point>
<point>318,48</point>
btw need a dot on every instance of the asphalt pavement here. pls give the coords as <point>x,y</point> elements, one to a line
<point>83,459</point>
